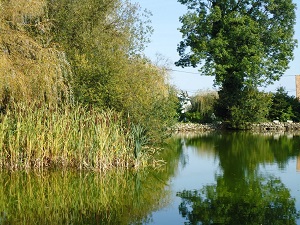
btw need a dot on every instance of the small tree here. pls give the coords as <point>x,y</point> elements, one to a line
<point>284,107</point>
<point>253,107</point>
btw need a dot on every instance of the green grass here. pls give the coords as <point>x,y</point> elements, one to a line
<point>68,137</point>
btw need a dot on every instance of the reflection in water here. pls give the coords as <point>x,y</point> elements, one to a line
<point>298,163</point>
<point>72,198</point>
<point>66,197</point>
<point>242,195</point>
<point>252,201</point>
<point>237,193</point>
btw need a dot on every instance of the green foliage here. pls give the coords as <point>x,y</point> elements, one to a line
<point>143,95</point>
<point>244,44</point>
<point>106,59</point>
<point>30,69</point>
<point>284,107</point>
<point>139,139</point>
<point>202,107</point>
<point>252,107</point>
<point>111,34</point>
<point>240,37</point>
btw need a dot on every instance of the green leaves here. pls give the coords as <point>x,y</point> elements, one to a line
<point>284,107</point>
<point>247,43</point>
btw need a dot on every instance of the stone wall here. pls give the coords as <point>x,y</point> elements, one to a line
<point>188,127</point>
<point>276,126</point>
<point>261,127</point>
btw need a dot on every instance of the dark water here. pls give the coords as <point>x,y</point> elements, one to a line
<point>219,178</point>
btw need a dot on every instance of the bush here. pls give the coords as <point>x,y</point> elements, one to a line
<point>284,107</point>
<point>253,107</point>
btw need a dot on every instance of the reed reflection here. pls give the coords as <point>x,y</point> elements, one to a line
<point>85,198</point>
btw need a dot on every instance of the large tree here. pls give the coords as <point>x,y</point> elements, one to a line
<point>245,44</point>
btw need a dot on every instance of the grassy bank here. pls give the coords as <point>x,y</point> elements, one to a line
<point>68,137</point>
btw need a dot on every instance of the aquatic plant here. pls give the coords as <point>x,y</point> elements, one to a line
<point>71,136</point>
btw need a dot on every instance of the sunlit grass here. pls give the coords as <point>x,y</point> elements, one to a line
<point>69,137</point>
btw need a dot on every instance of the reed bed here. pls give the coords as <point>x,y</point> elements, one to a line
<point>68,137</point>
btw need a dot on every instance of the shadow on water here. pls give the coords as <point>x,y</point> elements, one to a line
<point>242,194</point>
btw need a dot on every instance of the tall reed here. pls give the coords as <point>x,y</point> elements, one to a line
<point>71,136</point>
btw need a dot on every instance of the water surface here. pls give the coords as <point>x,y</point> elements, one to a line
<point>235,178</point>
<point>215,178</point>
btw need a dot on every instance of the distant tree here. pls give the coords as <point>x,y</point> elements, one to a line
<point>202,109</point>
<point>243,43</point>
<point>284,107</point>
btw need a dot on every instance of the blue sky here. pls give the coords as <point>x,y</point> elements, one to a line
<point>164,40</point>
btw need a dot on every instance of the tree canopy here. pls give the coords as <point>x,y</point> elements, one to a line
<point>243,43</point>
<point>31,69</point>
<point>88,51</point>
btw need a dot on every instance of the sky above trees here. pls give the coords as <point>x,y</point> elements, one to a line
<point>166,37</point>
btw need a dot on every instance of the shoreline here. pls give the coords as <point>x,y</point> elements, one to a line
<point>257,127</point>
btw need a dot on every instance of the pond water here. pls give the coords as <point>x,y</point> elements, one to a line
<point>214,178</point>
<point>235,178</point>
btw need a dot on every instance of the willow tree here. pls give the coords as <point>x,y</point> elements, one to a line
<point>245,44</point>
<point>31,69</point>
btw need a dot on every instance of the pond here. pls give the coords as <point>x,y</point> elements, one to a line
<point>213,178</point>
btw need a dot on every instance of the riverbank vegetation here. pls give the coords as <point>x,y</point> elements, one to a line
<point>75,85</point>
<point>69,137</point>
<point>77,91</point>
<point>278,106</point>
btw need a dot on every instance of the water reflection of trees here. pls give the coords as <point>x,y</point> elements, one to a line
<point>241,195</point>
<point>252,201</point>
<point>247,150</point>
<point>72,198</point>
